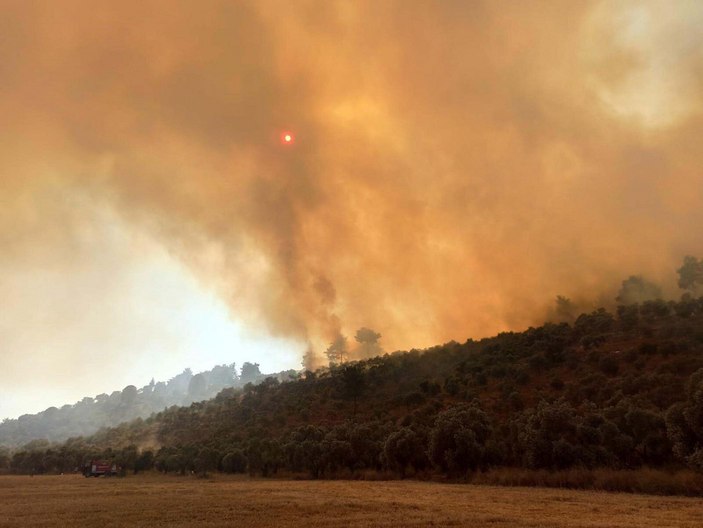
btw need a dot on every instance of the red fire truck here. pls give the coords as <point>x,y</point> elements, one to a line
<point>95,468</point>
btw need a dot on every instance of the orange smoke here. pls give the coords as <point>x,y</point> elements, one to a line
<point>462,164</point>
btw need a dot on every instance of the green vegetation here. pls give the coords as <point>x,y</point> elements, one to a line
<point>616,391</point>
<point>621,391</point>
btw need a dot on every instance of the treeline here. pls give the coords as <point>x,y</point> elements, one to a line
<point>106,410</point>
<point>636,289</point>
<point>620,391</point>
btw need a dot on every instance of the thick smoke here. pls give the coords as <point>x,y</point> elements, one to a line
<point>456,165</point>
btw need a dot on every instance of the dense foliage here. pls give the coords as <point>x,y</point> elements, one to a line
<point>90,414</point>
<point>620,390</point>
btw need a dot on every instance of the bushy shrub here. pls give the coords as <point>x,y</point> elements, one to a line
<point>458,439</point>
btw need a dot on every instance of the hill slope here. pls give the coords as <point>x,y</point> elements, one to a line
<point>88,415</point>
<point>614,391</point>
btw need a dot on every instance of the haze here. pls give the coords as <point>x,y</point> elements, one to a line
<point>456,165</point>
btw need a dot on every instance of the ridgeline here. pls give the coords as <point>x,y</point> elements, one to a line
<point>88,415</point>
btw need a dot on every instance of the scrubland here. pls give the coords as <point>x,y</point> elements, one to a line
<point>155,500</point>
<point>610,403</point>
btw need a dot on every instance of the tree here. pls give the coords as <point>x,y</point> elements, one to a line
<point>691,274</point>
<point>353,384</point>
<point>234,462</point>
<point>337,351</point>
<point>629,316</point>
<point>4,458</point>
<point>338,453</point>
<point>367,444</point>
<point>250,372</point>
<point>548,434</point>
<point>599,322</point>
<point>304,450</point>
<point>636,289</point>
<point>206,460</point>
<point>368,346</point>
<point>129,395</point>
<point>684,423</point>
<point>403,449</point>
<point>144,462</point>
<point>458,439</point>
<point>222,376</point>
<point>648,429</point>
<point>197,388</point>
<point>309,361</point>
<point>126,458</point>
<point>654,309</point>
<point>564,310</point>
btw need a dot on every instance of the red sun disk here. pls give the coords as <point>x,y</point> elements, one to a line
<point>287,138</point>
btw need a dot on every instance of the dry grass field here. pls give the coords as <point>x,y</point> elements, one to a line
<point>153,500</point>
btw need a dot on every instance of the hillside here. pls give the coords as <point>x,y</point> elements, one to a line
<point>88,415</point>
<point>618,391</point>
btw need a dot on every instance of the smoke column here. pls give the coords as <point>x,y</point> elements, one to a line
<point>456,165</point>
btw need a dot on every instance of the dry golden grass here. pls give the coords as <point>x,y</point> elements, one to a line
<point>641,480</point>
<point>154,500</point>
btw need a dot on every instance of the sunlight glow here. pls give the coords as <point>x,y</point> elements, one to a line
<point>287,138</point>
<point>152,318</point>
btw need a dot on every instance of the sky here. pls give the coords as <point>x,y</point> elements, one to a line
<point>455,166</point>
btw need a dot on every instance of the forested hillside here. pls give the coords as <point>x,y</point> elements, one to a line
<point>621,390</point>
<point>106,410</point>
